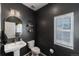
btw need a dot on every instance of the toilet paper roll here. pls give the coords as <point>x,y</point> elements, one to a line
<point>51,51</point>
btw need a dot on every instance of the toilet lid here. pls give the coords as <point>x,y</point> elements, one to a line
<point>35,49</point>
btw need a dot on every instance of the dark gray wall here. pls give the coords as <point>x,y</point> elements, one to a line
<point>45,28</point>
<point>27,16</point>
<point>43,19</point>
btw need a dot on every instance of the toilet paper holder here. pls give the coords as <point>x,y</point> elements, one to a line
<point>51,51</point>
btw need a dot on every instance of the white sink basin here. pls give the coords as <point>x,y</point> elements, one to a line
<point>12,47</point>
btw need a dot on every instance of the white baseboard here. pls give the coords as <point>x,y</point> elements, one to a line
<point>27,53</point>
<point>30,52</point>
<point>43,54</point>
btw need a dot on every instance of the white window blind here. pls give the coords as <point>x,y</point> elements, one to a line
<point>64,30</point>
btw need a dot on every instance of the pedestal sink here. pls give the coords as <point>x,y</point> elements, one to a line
<point>14,47</point>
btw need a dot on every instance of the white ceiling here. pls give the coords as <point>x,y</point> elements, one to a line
<point>35,6</point>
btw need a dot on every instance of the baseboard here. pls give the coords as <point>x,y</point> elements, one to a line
<point>27,53</point>
<point>30,52</point>
<point>43,54</point>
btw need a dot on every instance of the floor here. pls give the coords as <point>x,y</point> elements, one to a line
<point>30,53</point>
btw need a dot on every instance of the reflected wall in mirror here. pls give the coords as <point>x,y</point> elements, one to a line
<point>13,29</point>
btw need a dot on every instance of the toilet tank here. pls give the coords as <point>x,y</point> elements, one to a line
<point>31,43</point>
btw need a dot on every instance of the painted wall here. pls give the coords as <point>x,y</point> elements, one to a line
<point>45,28</point>
<point>0,17</point>
<point>27,16</point>
<point>43,19</point>
<point>0,29</point>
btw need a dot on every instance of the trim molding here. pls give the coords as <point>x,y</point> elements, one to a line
<point>30,52</point>
<point>27,53</point>
<point>43,54</point>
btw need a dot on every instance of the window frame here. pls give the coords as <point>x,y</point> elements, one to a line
<point>63,43</point>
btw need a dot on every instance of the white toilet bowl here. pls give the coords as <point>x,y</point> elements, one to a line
<point>35,50</point>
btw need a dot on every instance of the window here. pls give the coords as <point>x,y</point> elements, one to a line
<point>19,28</point>
<point>10,29</point>
<point>63,30</point>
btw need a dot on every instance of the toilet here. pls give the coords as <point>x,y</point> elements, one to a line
<point>35,50</point>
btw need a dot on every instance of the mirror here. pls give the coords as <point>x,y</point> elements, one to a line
<point>13,29</point>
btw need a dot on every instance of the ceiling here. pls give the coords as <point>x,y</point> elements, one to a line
<point>35,6</point>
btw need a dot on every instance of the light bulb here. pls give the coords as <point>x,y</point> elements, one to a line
<point>12,12</point>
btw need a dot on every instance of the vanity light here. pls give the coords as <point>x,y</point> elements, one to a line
<point>17,13</point>
<point>14,13</point>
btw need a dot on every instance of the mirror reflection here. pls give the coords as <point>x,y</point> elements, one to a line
<point>13,29</point>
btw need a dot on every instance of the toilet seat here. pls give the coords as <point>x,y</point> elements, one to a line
<point>35,50</point>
